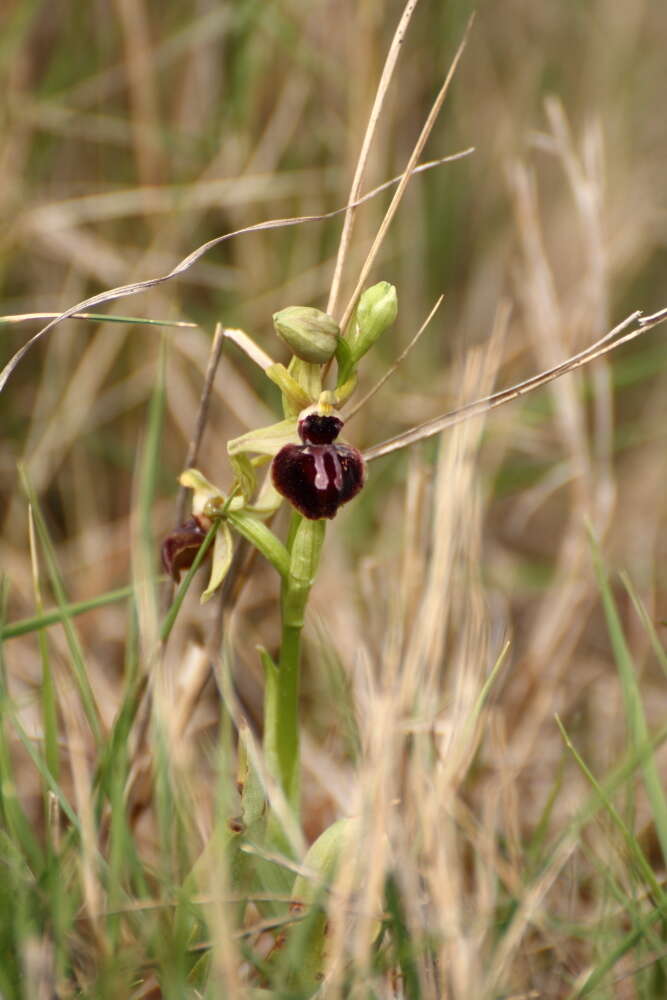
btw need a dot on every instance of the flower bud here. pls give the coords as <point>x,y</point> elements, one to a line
<point>309,333</point>
<point>375,313</point>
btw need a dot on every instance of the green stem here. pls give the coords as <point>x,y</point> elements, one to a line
<point>287,717</point>
<point>281,700</point>
<point>281,713</point>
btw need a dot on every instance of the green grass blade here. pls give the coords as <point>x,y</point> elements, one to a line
<point>656,645</point>
<point>634,710</point>
<point>16,823</point>
<point>641,863</point>
<point>102,318</point>
<point>41,766</point>
<point>48,693</point>
<point>402,940</point>
<point>597,976</point>
<point>77,661</point>
<point>144,547</point>
<point>56,615</point>
<point>17,826</point>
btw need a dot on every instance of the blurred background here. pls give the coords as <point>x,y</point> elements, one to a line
<point>132,131</point>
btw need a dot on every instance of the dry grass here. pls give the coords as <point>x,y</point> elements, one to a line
<point>128,140</point>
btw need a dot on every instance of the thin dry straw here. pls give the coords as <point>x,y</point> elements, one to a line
<point>202,415</point>
<point>125,291</point>
<point>394,367</point>
<point>376,110</point>
<point>479,406</point>
<point>405,178</point>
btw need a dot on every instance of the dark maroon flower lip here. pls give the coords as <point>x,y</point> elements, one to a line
<point>180,547</point>
<point>318,476</point>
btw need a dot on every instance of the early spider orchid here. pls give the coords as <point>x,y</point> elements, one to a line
<point>311,469</point>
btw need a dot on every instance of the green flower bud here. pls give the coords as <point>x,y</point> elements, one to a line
<point>375,313</point>
<point>310,333</point>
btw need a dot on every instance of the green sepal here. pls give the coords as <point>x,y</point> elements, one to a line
<point>244,474</point>
<point>223,550</point>
<point>194,480</point>
<point>309,378</point>
<point>262,538</point>
<point>204,492</point>
<point>344,391</point>
<point>290,388</point>
<point>266,440</point>
<point>268,499</point>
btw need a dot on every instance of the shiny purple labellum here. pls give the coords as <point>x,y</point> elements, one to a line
<point>180,548</point>
<point>317,477</point>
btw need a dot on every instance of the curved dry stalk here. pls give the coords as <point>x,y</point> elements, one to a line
<point>202,415</point>
<point>405,177</point>
<point>125,291</point>
<point>395,366</point>
<point>97,318</point>
<point>374,117</point>
<point>479,406</point>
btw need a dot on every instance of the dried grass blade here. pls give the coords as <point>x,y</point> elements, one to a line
<point>601,347</point>
<point>125,291</point>
<point>397,363</point>
<point>98,318</point>
<point>405,178</point>
<point>376,110</point>
<point>202,415</point>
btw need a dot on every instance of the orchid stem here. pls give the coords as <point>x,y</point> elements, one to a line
<point>287,715</point>
<point>281,702</point>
